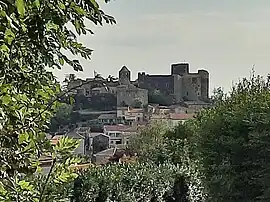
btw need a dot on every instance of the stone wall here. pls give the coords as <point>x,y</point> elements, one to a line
<point>178,88</point>
<point>128,93</point>
<point>182,84</point>
<point>191,87</point>
<point>164,83</point>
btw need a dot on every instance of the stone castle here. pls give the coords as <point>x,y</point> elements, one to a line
<point>128,93</point>
<point>180,84</point>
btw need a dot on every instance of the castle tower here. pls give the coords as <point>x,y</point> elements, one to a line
<point>180,69</point>
<point>204,84</point>
<point>124,76</point>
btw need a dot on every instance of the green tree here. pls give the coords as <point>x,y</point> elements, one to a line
<point>62,117</point>
<point>218,95</point>
<point>157,97</point>
<point>150,145</point>
<point>125,182</point>
<point>232,142</point>
<point>159,145</point>
<point>33,35</point>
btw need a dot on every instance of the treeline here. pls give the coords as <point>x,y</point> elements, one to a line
<point>221,155</point>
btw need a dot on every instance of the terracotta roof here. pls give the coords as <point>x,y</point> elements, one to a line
<point>122,128</point>
<point>175,116</point>
<point>54,141</point>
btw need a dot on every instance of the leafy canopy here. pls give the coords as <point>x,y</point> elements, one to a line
<point>33,36</point>
<point>231,142</point>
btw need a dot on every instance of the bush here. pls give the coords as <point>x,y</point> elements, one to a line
<point>231,142</point>
<point>125,182</point>
<point>160,146</point>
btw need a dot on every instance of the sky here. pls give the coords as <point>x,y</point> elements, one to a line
<point>225,37</point>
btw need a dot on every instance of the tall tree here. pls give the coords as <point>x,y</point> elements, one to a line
<point>33,35</point>
<point>231,141</point>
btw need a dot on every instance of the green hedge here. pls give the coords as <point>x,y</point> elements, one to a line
<point>125,182</point>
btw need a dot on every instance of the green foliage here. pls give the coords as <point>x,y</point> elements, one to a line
<point>150,143</point>
<point>102,101</point>
<point>223,153</point>
<point>160,145</point>
<point>218,95</point>
<point>62,117</point>
<point>33,35</point>
<point>125,182</point>
<point>157,97</point>
<point>231,142</point>
<point>81,102</point>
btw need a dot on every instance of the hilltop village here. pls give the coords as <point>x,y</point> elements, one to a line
<point>108,112</point>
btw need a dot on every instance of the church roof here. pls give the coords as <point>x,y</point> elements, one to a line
<point>124,68</point>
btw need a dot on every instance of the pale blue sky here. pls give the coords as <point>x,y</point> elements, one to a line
<point>226,37</point>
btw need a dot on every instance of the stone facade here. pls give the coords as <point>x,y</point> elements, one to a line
<point>91,86</point>
<point>127,93</point>
<point>182,84</point>
<point>124,76</point>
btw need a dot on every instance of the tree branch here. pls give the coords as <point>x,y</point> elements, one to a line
<point>56,99</point>
<point>46,181</point>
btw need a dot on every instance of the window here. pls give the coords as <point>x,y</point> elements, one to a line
<point>194,80</point>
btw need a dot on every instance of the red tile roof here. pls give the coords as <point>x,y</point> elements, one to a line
<point>54,141</point>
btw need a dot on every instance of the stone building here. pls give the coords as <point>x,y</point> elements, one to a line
<point>182,84</point>
<point>124,76</point>
<point>127,93</point>
<point>91,86</point>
